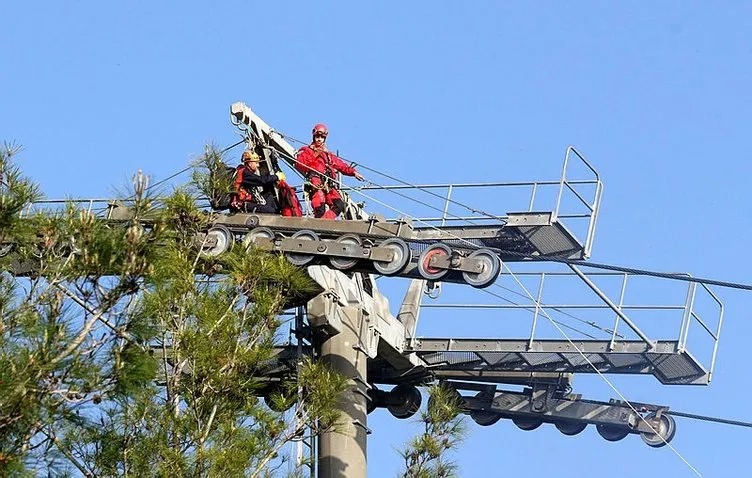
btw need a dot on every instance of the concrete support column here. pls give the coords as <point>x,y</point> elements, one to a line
<point>342,454</point>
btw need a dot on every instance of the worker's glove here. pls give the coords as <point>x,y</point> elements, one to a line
<point>281,176</point>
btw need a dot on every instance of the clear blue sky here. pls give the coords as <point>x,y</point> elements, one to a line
<point>656,94</point>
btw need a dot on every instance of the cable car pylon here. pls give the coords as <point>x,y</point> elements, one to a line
<point>347,322</point>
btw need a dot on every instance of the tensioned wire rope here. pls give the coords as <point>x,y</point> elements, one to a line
<point>172,176</point>
<point>554,323</point>
<point>185,170</point>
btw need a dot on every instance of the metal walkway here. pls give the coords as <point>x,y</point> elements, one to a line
<point>598,334</point>
<point>477,358</point>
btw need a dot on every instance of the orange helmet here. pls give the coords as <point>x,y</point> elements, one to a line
<point>321,129</point>
<point>250,155</point>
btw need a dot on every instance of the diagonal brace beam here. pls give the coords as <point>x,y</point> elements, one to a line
<point>613,306</point>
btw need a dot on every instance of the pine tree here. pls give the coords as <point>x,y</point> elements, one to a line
<point>426,455</point>
<point>126,352</point>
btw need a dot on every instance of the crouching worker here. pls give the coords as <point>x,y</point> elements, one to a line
<point>254,191</point>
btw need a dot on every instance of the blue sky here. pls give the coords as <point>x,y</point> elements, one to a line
<point>655,94</point>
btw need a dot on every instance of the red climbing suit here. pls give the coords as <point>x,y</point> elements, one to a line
<point>288,200</point>
<point>320,167</point>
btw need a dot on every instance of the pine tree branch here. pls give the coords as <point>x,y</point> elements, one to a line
<point>294,431</point>
<point>87,308</point>
<point>109,301</point>
<point>205,435</point>
<point>78,464</point>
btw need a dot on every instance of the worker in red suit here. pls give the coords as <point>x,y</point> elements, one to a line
<point>320,168</point>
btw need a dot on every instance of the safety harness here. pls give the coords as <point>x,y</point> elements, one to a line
<point>244,195</point>
<point>327,177</point>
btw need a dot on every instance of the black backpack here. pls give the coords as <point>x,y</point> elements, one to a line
<point>223,186</point>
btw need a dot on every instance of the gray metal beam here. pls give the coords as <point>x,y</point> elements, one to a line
<point>410,309</point>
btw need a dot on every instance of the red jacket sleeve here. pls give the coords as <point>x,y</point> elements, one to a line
<point>303,160</point>
<point>341,166</point>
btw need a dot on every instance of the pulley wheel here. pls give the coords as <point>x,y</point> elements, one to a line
<point>665,431</point>
<point>302,259</point>
<point>612,433</point>
<point>5,249</point>
<point>571,428</point>
<point>490,269</point>
<point>401,257</point>
<point>526,423</point>
<point>424,267</point>
<point>252,221</point>
<point>257,233</point>
<point>371,403</point>
<point>344,263</point>
<point>407,399</point>
<point>222,240</point>
<point>484,418</point>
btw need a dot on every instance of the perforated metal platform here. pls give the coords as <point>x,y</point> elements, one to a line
<point>665,360</point>
<point>547,235</point>
<point>525,236</point>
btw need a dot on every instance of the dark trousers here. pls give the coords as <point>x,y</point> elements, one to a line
<point>249,206</point>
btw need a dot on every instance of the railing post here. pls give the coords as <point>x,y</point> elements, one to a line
<point>717,332</point>
<point>562,182</point>
<point>594,210</point>
<point>687,319</point>
<point>616,316</point>
<point>446,205</point>
<point>537,310</point>
<point>532,197</point>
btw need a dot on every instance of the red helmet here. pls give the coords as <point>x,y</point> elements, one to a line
<point>321,129</point>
